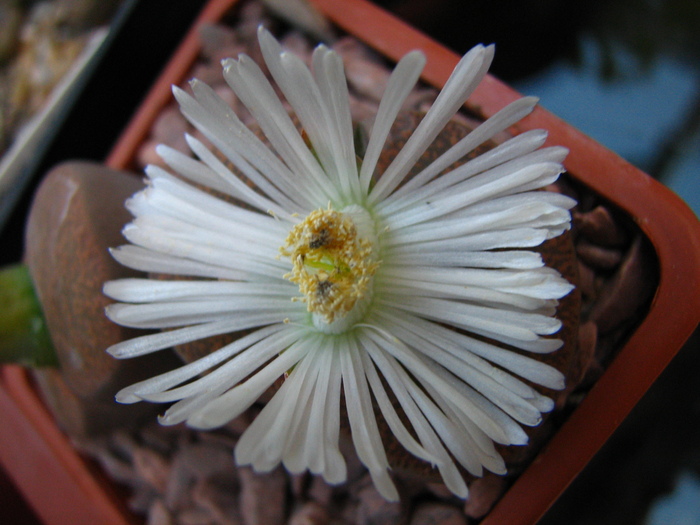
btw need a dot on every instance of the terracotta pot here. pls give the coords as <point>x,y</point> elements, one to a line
<point>53,476</point>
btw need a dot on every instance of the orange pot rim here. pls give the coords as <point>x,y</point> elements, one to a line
<point>666,220</point>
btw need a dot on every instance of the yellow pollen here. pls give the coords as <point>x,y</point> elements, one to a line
<point>332,265</point>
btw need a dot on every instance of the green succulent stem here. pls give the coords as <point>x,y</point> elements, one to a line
<point>24,336</point>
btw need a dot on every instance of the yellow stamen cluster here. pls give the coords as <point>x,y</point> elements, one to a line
<point>332,265</point>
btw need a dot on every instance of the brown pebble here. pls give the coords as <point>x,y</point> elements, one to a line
<point>439,490</point>
<point>320,491</point>
<point>598,256</point>
<point>295,42</point>
<point>228,96</point>
<point>365,75</point>
<point>152,467</point>
<point>158,514</point>
<point>363,111</point>
<point>599,227</point>
<point>142,498</point>
<point>170,126</point>
<point>218,494</point>
<point>310,513</point>
<point>210,74</point>
<point>116,468</point>
<point>583,362</point>
<point>146,155</point>
<point>437,514</point>
<point>586,280</point>
<point>630,287</point>
<point>263,496</point>
<point>299,484</point>
<point>191,464</point>
<point>483,494</point>
<point>587,342</point>
<point>356,470</point>
<point>194,516</point>
<point>373,509</point>
<point>214,37</point>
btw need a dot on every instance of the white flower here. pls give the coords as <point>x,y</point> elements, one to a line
<point>344,284</point>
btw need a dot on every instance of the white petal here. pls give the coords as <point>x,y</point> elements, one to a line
<point>464,79</point>
<point>505,118</point>
<point>167,380</point>
<point>402,80</point>
<point>229,405</point>
<point>250,84</point>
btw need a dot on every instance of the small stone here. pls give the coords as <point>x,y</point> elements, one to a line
<point>632,285</point>
<point>208,73</point>
<point>263,496</point>
<point>483,494</point>
<point>213,38</point>
<point>320,491</point>
<point>116,468</point>
<point>439,490</point>
<point>310,513</point>
<point>437,514</point>
<point>191,464</point>
<point>598,256</point>
<point>365,75</point>
<point>599,227</point>
<point>194,516</point>
<point>152,467</point>
<point>142,497</point>
<point>170,128</point>
<point>228,96</point>
<point>373,509</point>
<point>583,363</point>
<point>146,155</point>
<point>218,494</point>
<point>158,514</point>
<point>295,42</point>
<point>299,484</point>
<point>586,280</point>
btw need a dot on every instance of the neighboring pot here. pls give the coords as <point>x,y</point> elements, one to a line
<point>63,488</point>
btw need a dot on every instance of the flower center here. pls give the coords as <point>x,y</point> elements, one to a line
<point>333,263</point>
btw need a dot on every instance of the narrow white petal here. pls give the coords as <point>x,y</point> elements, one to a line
<point>401,82</point>
<point>167,380</point>
<point>500,181</point>
<point>402,435</point>
<point>242,190</point>
<point>147,344</point>
<point>525,367</point>
<point>505,118</point>
<point>250,84</point>
<point>330,75</point>
<point>229,405</point>
<point>507,259</point>
<point>149,290</point>
<point>497,425</point>
<point>336,469</point>
<point>397,379</point>
<point>515,238</point>
<point>145,260</point>
<point>262,444</point>
<point>195,312</point>
<point>192,169</point>
<point>464,79</point>
<point>222,127</point>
